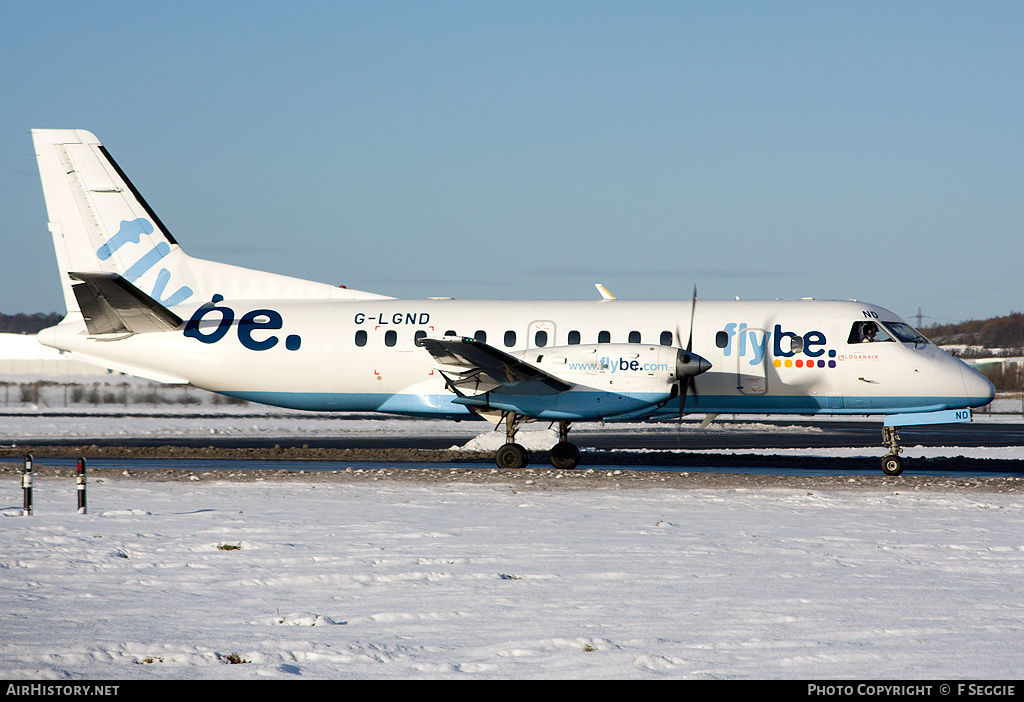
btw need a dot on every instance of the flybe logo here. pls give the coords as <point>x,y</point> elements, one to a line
<point>740,340</point>
<point>131,232</point>
<point>251,328</point>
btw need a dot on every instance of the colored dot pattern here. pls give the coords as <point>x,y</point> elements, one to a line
<point>801,363</point>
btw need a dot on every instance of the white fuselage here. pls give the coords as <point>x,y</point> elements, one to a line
<point>362,355</point>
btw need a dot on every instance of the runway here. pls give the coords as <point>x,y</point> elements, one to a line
<point>759,433</point>
<point>322,444</point>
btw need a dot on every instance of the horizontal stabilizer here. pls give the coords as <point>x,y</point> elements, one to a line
<point>485,368</point>
<point>112,305</point>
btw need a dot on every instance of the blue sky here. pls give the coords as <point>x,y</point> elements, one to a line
<point>868,150</point>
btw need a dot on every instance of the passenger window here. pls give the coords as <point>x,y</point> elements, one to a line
<point>666,338</point>
<point>450,332</point>
<point>361,337</point>
<point>574,338</point>
<point>391,337</point>
<point>721,339</point>
<point>634,337</point>
<point>510,339</point>
<point>418,337</point>
<point>481,336</point>
<point>604,337</point>
<point>540,339</point>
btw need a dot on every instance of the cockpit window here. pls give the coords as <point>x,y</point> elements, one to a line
<point>905,333</point>
<point>867,332</point>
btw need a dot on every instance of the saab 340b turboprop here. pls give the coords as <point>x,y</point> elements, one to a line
<point>137,303</point>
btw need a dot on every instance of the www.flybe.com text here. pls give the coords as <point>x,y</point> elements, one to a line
<point>613,365</point>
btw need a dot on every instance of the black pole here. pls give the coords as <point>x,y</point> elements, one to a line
<point>26,487</point>
<point>81,486</point>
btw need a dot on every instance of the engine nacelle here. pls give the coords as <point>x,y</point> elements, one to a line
<point>625,366</point>
<point>609,381</point>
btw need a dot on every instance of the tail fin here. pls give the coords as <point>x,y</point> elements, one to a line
<point>101,224</point>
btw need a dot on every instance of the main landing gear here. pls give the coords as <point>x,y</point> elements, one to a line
<point>892,464</point>
<point>511,454</point>
<point>564,455</point>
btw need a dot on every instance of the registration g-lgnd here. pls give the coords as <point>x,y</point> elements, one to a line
<point>137,303</point>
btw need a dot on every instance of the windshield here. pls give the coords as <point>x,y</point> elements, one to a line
<point>905,333</point>
<point>870,332</point>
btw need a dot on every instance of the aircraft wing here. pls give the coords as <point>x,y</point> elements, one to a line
<point>483,368</point>
<point>112,305</point>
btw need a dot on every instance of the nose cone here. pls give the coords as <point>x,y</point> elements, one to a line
<point>689,363</point>
<point>980,391</point>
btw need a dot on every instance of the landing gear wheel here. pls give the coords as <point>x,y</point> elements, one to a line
<point>565,456</point>
<point>892,465</point>
<point>511,456</point>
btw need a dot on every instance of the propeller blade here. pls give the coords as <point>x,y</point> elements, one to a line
<point>683,388</point>
<point>687,384</point>
<point>688,364</point>
<point>693,310</point>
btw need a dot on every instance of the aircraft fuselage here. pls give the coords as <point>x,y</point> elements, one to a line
<point>364,356</point>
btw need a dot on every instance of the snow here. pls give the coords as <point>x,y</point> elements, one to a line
<point>401,580</point>
<point>390,579</point>
<point>25,346</point>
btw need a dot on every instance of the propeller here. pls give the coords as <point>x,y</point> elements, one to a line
<point>688,364</point>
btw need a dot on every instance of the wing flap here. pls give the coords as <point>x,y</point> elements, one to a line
<point>112,305</point>
<point>483,368</point>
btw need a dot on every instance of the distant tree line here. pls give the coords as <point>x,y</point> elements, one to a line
<point>987,338</point>
<point>1003,333</point>
<point>1005,378</point>
<point>22,323</point>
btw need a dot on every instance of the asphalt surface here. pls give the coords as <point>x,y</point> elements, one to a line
<point>667,447</point>
<point>660,435</point>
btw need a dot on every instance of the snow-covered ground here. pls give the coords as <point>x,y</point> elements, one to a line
<point>392,579</point>
<point>395,580</point>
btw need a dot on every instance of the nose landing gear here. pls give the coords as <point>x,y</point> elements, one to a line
<point>892,464</point>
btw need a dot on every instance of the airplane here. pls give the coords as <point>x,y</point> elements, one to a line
<point>137,303</point>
